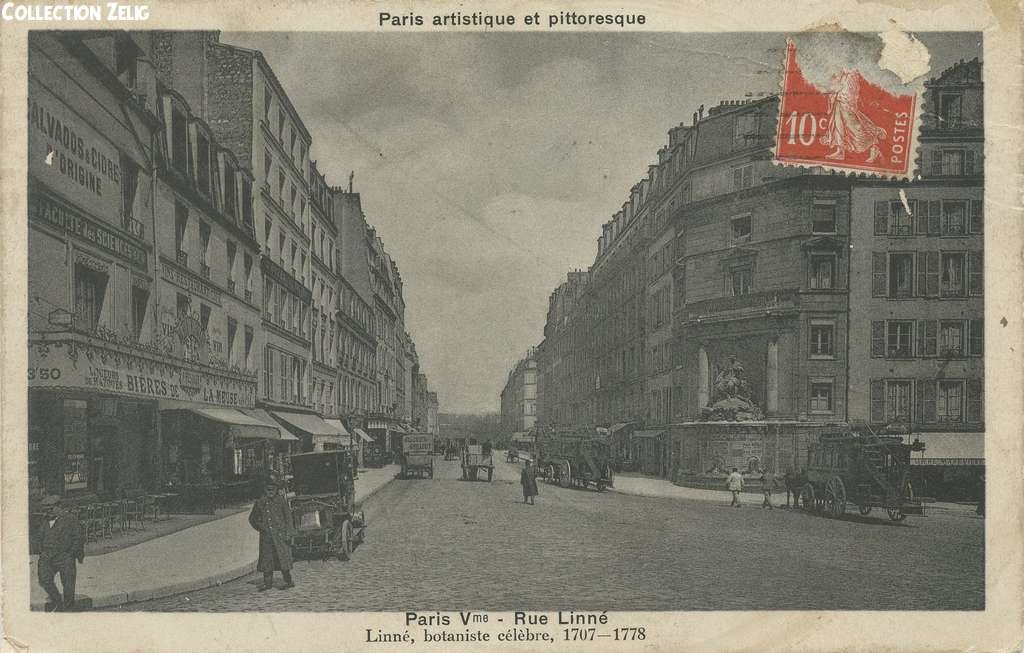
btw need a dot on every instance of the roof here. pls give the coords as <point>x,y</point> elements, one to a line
<point>306,423</point>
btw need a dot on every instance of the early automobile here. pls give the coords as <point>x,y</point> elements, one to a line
<point>323,506</point>
<point>860,468</point>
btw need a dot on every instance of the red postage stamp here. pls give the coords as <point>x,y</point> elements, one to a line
<point>853,124</point>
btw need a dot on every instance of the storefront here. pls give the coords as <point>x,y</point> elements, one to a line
<point>97,424</point>
<point>951,467</point>
<point>313,432</point>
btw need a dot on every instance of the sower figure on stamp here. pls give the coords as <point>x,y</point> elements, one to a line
<point>272,517</point>
<point>528,479</point>
<point>62,543</point>
<point>849,128</point>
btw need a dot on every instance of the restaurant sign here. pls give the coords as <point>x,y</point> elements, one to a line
<point>82,365</point>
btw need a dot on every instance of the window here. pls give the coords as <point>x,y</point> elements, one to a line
<point>90,295</point>
<point>950,106</point>
<point>231,265</point>
<point>899,339</point>
<point>280,125</point>
<point>129,187</point>
<point>247,261</point>
<point>246,362</point>
<point>954,216</point>
<point>953,266</point>
<point>179,142</point>
<point>268,225</point>
<point>294,258</point>
<point>976,346</point>
<point>247,219</point>
<point>740,281</point>
<point>743,177</point>
<point>744,132</point>
<point>230,199</point>
<point>897,401</point>
<point>291,146</point>
<point>302,152</point>
<point>140,302</point>
<point>901,276</point>
<point>821,396</point>
<point>977,217</point>
<point>126,64</point>
<point>204,317</point>
<point>949,401</point>
<point>203,163</point>
<point>823,218</point>
<point>232,331</point>
<point>901,223</point>
<point>291,203</point>
<point>268,373</point>
<point>976,273</point>
<point>204,249</point>
<point>268,98</point>
<point>280,186</point>
<point>183,305</point>
<point>180,227</point>
<point>823,271</point>
<point>740,229</point>
<point>952,163</point>
<point>823,340</point>
<point>951,338</point>
<point>281,247</point>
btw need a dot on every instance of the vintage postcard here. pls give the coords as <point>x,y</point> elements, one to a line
<point>525,326</point>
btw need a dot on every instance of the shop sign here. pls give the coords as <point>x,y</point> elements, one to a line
<point>189,281</point>
<point>45,210</point>
<point>70,364</point>
<point>71,157</point>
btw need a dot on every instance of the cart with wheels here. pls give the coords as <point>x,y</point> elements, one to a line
<point>862,469</point>
<point>474,461</point>
<point>323,508</point>
<point>417,455</point>
<point>575,459</point>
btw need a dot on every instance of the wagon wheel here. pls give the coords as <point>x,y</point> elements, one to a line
<point>807,500</point>
<point>864,510</point>
<point>344,547</point>
<point>549,474</point>
<point>600,486</point>
<point>835,497</point>
<point>896,513</point>
<point>566,478</point>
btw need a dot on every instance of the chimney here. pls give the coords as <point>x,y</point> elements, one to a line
<point>700,112</point>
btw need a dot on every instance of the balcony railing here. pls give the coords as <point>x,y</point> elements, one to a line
<point>765,301</point>
<point>204,270</point>
<point>182,258</point>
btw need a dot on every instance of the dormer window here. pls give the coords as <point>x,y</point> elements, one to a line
<point>179,142</point>
<point>229,191</point>
<point>203,163</point>
<point>823,218</point>
<point>126,64</point>
<point>950,111</point>
<point>740,229</point>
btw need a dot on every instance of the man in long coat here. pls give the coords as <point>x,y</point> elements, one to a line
<point>528,479</point>
<point>272,517</point>
<point>61,544</point>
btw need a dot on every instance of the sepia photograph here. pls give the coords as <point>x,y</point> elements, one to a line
<point>499,327</point>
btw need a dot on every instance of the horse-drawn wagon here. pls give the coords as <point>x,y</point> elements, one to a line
<point>861,468</point>
<point>575,458</point>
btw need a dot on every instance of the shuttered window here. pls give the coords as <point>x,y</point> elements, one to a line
<point>926,400</point>
<point>975,407</point>
<point>877,401</point>
<point>976,277</point>
<point>878,339</point>
<point>881,218</point>
<point>928,273</point>
<point>927,339</point>
<point>976,343</point>
<point>977,217</point>
<point>879,279</point>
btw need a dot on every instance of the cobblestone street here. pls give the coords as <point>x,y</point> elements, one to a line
<point>450,544</point>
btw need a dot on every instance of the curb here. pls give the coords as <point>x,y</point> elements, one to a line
<point>123,598</point>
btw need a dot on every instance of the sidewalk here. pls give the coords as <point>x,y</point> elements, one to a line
<point>648,486</point>
<point>200,556</point>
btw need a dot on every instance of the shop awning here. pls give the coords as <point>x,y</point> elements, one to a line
<point>336,423</point>
<point>363,436</point>
<point>306,423</point>
<point>949,449</point>
<point>648,434</point>
<point>239,424</point>
<point>336,440</point>
<point>264,416</point>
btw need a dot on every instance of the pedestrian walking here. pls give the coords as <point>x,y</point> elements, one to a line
<point>768,483</point>
<point>528,479</point>
<point>735,485</point>
<point>62,544</point>
<point>272,517</point>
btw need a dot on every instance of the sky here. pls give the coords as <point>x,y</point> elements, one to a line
<point>488,162</point>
